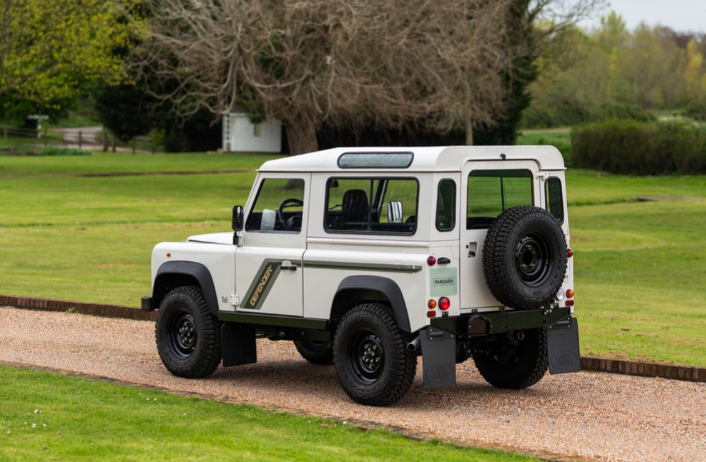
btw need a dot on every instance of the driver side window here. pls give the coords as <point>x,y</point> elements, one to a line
<point>279,206</point>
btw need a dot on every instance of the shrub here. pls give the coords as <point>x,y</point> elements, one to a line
<point>696,111</point>
<point>569,112</point>
<point>639,148</point>
<point>621,111</point>
<point>54,151</point>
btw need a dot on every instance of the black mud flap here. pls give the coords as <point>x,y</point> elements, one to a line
<point>439,355</point>
<point>563,343</point>
<point>238,345</point>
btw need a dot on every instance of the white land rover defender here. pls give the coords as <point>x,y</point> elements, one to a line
<point>370,257</point>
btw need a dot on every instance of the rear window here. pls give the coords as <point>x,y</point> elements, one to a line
<point>371,205</point>
<point>446,205</point>
<point>491,192</point>
<point>555,198</point>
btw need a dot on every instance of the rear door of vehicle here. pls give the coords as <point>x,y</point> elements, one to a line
<point>489,188</point>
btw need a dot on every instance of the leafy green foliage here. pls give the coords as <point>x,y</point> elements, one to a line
<point>696,111</point>
<point>612,72</point>
<point>49,49</point>
<point>640,148</point>
<point>124,110</point>
<point>51,417</point>
<point>128,111</point>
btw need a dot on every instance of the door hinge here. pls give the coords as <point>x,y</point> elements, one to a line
<point>234,300</point>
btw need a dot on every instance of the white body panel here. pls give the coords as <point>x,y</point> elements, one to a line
<point>218,258</point>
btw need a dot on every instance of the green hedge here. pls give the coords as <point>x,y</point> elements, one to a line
<point>54,151</point>
<point>567,112</point>
<point>638,148</point>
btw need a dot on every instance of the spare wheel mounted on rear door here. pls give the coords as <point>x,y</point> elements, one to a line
<point>524,257</point>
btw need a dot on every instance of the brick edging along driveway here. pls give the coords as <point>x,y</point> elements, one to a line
<point>616,366</point>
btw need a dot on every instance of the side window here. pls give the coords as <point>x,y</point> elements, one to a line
<point>555,198</point>
<point>491,192</point>
<point>371,205</point>
<point>279,206</point>
<point>446,206</point>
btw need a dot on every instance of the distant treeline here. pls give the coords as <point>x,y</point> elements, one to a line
<point>615,73</point>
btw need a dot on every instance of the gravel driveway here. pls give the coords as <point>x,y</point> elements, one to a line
<point>587,415</point>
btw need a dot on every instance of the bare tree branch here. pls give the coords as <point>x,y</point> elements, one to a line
<point>352,63</point>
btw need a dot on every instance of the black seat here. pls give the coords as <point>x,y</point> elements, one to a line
<point>354,211</point>
<point>355,205</point>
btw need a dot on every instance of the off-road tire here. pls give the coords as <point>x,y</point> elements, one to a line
<point>515,367</point>
<point>371,328</point>
<point>188,335</point>
<point>462,353</point>
<point>524,257</point>
<point>320,353</point>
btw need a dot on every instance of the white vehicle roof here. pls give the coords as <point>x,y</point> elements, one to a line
<point>423,159</point>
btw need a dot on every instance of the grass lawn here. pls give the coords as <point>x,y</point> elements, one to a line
<point>109,162</point>
<point>50,417</point>
<point>639,266</point>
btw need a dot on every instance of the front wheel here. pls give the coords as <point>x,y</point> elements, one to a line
<point>188,335</point>
<point>518,362</point>
<point>371,358</point>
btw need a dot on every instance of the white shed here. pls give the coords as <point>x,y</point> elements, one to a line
<point>241,135</point>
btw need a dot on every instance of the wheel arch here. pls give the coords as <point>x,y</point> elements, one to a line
<point>355,288</point>
<point>174,274</point>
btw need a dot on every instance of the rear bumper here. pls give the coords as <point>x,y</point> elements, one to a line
<point>497,322</point>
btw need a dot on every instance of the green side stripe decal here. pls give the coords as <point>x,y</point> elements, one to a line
<point>263,282</point>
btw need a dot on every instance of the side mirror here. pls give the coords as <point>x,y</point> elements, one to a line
<point>237,222</point>
<point>394,212</point>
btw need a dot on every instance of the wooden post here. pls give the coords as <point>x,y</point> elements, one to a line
<point>105,141</point>
<point>80,140</point>
<point>113,142</point>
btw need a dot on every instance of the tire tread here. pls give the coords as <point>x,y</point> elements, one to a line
<point>208,352</point>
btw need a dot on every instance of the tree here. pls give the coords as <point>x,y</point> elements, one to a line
<point>49,49</point>
<point>357,64</point>
<point>534,26</point>
<point>694,76</point>
<point>652,66</point>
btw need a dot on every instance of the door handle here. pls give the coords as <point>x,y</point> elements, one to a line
<point>287,266</point>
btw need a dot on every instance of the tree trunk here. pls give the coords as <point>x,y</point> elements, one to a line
<point>302,138</point>
<point>469,131</point>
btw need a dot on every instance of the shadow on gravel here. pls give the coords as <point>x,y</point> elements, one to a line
<point>322,382</point>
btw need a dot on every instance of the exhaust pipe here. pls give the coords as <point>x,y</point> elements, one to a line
<point>415,344</point>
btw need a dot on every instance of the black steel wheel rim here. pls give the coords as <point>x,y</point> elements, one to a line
<point>182,334</point>
<point>366,357</point>
<point>506,355</point>
<point>533,259</point>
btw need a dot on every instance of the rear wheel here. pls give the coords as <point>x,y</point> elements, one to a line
<point>519,361</point>
<point>315,352</point>
<point>188,335</point>
<point>371,358</point>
